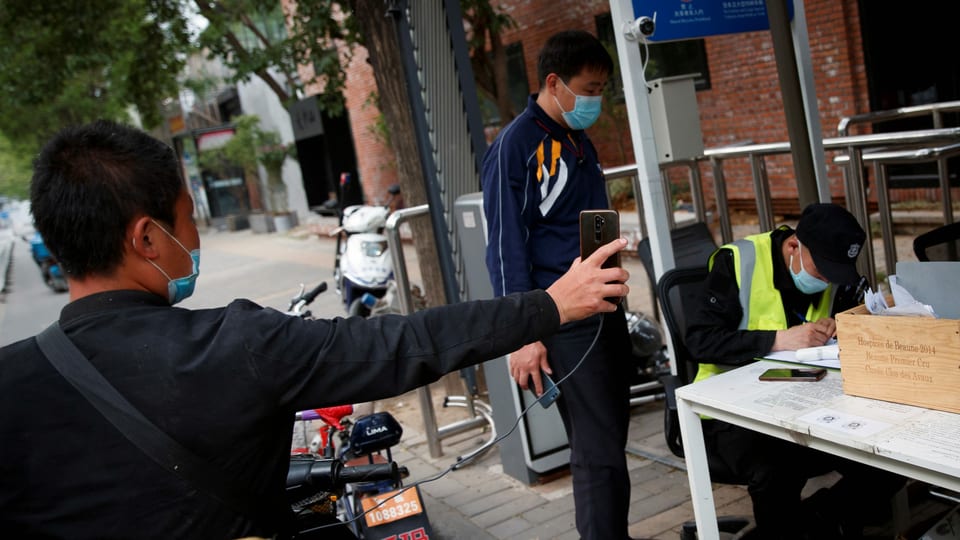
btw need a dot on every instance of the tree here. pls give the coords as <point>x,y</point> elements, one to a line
<point>67,62</point>
<point>14,170</point>
<point>244,35</point>
<point>486,26</point>
<point>249,147</point>
<point>380,40</point>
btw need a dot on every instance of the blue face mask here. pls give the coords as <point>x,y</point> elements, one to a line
<point>181,288</point>
<point>805,282</point>
<point>586,110</point>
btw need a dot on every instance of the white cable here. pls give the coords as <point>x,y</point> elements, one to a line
<point>646,60</point>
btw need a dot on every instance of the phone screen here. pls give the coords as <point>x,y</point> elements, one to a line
<point>793,374</point>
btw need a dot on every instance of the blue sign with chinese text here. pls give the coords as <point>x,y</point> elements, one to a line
<point>690,19</point>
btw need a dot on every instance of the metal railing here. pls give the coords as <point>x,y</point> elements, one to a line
<point>934,110</point>
<point>481,415</point>
<point>853,146</point>
<point>881,161</point>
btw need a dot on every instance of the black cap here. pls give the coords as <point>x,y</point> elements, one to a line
<point>834,239</point>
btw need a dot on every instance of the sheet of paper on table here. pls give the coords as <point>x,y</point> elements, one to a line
<point>827,356</point>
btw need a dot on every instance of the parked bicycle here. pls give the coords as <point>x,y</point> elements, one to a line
<point>345,483</point>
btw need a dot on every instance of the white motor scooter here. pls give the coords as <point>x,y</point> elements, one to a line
<point>363,265</point>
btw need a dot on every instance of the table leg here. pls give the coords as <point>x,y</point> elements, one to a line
<point>698,471</point>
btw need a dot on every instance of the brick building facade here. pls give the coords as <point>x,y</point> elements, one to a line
<point>741,103</point>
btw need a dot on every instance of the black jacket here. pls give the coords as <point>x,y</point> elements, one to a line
<point>224,383</point>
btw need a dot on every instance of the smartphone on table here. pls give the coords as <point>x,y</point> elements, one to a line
<point>597,228</point>
<point>793,374</point>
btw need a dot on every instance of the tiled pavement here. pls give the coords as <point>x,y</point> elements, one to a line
<point>481,501</point>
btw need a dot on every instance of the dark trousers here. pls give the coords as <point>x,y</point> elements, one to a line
<point>775,472</point>
<point>595,407</point>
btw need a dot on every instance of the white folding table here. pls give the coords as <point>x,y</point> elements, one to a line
<point>911,441</point>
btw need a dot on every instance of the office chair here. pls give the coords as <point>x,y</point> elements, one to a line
<point>680,290</point>
<point>692,246</point>
<point>940,244</point>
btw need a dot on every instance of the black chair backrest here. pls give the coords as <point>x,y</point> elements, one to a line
<point>692,246</point>
<point>680,291</point>
<point>940,244</point>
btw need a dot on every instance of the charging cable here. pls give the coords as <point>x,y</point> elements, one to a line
<point>463,460</point>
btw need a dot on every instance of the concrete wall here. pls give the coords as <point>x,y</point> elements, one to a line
<point>257,98</point>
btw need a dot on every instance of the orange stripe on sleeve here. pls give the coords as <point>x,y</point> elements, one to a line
<point>554,157</point>
<point>540,162</point>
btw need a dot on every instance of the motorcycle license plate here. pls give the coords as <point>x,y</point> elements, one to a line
<point>397,504</point>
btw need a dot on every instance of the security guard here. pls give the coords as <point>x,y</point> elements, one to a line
<point>771,292</point>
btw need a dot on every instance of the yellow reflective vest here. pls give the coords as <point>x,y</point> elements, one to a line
<point>760,300</point>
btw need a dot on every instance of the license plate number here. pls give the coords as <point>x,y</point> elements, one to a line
<point>397,504</point>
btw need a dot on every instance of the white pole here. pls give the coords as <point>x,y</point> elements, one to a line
<point>648,182</point>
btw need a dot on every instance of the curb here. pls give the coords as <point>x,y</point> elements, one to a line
<point>6,263</point>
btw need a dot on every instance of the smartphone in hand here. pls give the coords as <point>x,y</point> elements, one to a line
<point>597,228</point>
<point>550,390</point>
<point>793,374</point>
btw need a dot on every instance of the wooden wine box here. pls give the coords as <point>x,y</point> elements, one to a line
<point>911,360</point>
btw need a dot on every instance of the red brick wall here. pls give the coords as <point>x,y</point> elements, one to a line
<point>375,162</point>
<point>375,159</point>
<point>743,103</point>
<point>536,21</point>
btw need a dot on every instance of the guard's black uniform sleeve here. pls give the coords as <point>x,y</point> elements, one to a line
<point>305,364</point>
<point>712,335</point>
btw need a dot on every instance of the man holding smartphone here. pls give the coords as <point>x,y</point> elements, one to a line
<point>778,291</point>
<point>537,176</point>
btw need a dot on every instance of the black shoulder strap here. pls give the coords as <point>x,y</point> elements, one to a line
<point>151,440</point>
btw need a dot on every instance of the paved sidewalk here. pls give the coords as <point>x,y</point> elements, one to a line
<point>481,501</point>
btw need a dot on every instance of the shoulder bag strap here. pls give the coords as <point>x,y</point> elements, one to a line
<point>151,440</point>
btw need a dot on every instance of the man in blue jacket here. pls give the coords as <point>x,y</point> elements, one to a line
<point>537,176</point>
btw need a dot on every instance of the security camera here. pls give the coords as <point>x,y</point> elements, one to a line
<point>646,25</point>
<point>641,28</point>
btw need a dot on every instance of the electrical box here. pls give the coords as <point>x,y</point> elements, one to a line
<point>540,444</point>
<point>676,118</point>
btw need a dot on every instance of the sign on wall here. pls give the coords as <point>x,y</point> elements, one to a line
<point>306,118</point>
<point>690,19</point>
